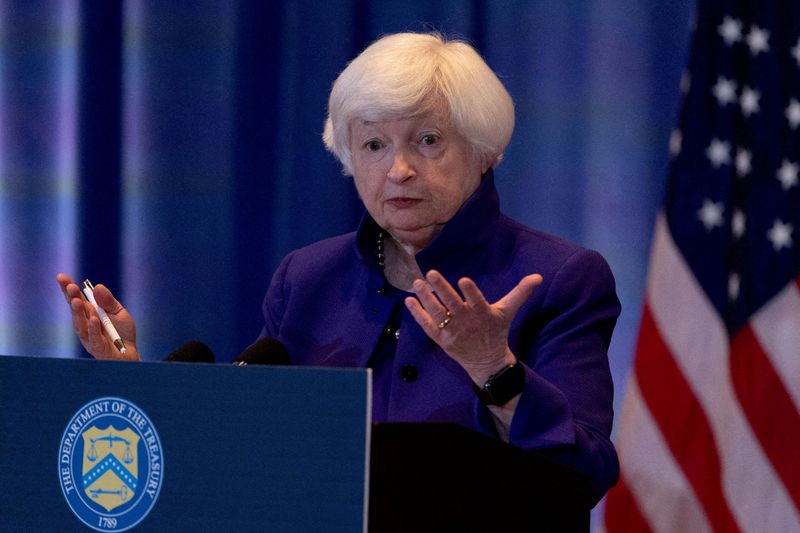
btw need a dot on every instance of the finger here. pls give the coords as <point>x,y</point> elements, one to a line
<point>473,295</point>
<point>63,282</point>
<point>96,342</point>
<point>512,301</point>
<point>428,300</point>
<point>445,292</point>
<point>106,300</point>
<point>73,291</point>
<point>69,288</point>
<point>80,318</point>
<point>423,318</point>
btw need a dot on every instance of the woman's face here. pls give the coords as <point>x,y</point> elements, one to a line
<point>412,174</point>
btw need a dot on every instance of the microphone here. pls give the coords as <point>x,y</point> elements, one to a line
<point>266,351</point>
<point>192,352</point>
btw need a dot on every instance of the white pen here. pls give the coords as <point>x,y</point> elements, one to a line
<point>88,291</point>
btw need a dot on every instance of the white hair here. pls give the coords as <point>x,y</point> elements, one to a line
<point>409,74</point>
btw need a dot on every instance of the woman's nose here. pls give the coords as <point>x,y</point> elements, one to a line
<point>402,167</point>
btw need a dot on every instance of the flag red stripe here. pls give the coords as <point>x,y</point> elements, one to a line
<point>682,422</point>
<point>622,514</point>
<point>768,407</point>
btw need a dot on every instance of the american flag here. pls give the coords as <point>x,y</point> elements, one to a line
<point>709,436</point>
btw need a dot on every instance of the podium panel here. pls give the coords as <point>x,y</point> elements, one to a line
<point>182,447</point>
<point>444,477</point>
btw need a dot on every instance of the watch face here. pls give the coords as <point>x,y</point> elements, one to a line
<point>504,385</point>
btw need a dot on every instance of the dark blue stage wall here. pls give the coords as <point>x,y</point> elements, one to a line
<point>172,151</point>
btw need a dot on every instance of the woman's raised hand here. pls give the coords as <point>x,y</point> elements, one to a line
<point>470,330</point>
<point>87,323</point>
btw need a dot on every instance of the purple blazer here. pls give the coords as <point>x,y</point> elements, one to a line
<point>326,304</point>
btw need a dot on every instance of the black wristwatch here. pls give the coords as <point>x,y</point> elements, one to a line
<point>502,386</point>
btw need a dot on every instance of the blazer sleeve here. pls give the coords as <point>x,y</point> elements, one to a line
<point>566,408</point>
<point>274,304</point>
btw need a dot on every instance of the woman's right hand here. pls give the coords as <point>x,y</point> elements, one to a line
<point>87,323</point>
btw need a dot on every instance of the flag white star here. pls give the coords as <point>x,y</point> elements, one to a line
<point>758,40</point>
<point>738,223</point>
<point>734,283</point>
<point>724,91</point>
<point>710,214</point>
<point>675,142</point>
<point>749,101</point>
<point>743,162</point>
<point>780,235</point>
<point>793,113</point>
<point>796,52</point>
<point>787,174</point>
<point>719,152</point>
<point>730,30</point>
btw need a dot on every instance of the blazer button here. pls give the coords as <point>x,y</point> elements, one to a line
<point>409,373</point>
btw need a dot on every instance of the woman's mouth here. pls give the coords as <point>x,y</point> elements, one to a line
<point>402,202</point>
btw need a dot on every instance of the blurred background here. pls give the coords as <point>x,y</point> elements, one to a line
<point>171,150</point>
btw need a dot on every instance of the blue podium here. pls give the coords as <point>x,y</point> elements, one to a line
<point>109,446</point>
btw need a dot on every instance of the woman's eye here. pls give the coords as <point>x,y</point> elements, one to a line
<point>430,139</point>
<point>372,146</point>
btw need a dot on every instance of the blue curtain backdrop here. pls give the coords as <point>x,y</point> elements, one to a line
<point>172,151</point>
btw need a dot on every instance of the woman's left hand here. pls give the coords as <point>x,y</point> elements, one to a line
<point>470,330</point>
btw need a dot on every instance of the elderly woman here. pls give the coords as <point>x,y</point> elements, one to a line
<point>436,290</point>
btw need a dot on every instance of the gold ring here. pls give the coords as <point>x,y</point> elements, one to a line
<point>443,323</point>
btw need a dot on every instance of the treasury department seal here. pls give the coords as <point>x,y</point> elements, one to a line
<point>110,464</point>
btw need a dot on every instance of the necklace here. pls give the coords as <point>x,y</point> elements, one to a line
<point>403,269</point>
<point>381,254</point>
<point>392,329</point>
